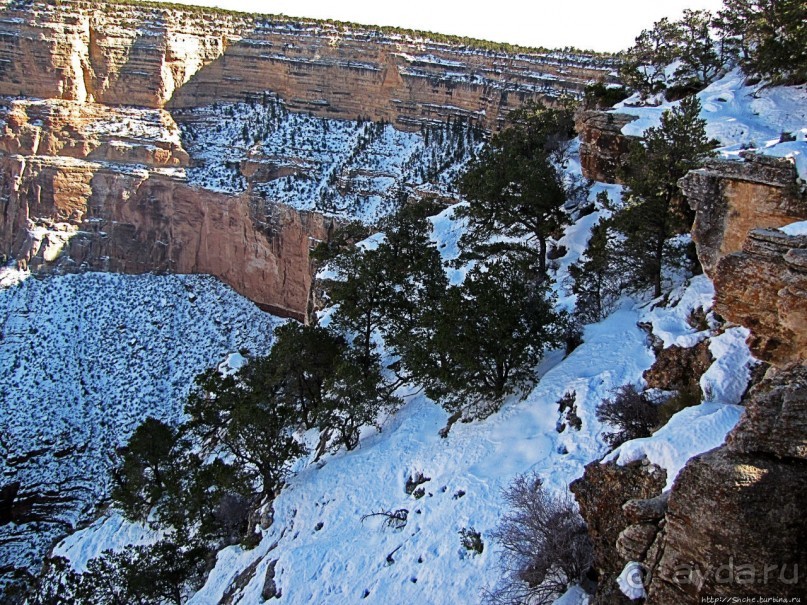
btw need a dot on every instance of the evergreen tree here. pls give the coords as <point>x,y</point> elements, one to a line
<point>354,397</point>
<point>645,66</point>
<point>770,35</point>
<point>242,417</point>
<point>513,188</point>
<point>164,572</point>
<point>301,360</point>
<point>140,480</point>
<point>655,210</point>
<point>597,276</point>
<point>699,60</point>
<point>489,335</point>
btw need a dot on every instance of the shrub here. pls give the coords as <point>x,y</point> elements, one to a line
<point>630,412</point>
<point>545,545</point>
<point>471,540</point>
<point>600,96</point>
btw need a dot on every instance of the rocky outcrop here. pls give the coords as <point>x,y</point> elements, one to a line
<point>603,147</point>
<point>91,216</point>
<point>153,56</point>
<point>731,198</point>
<point>735,524</point>
<point>679,368</point>
<point>601,494</point>
<point>764,287</point>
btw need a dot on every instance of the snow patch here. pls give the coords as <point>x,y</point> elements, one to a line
<point>795,229</point>
<point>690,432</point>
<point>630,581</point>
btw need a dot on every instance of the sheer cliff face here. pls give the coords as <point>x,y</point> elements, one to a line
<point>94,163</point>
<point>125,55</point>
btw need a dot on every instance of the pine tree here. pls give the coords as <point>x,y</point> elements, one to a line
<point>770,35</point>
<point>140,480</point>
<point>487,337</point>
<point>597,276</point>
<point>513,188</point>
<point>655,209</point>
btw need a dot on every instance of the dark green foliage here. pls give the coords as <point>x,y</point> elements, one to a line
<point>145,466</point>
<point>769,35</point>
<point>698,53</point>
<point>631,413</point>
<point>356,394</point>
<point>471,540</point>
<point>487,338</point>
<point>655,210</point>
<point>513,188</point>
<point>598,278</point>
<point>600,96</point>
<point>300,363</point>
<point>165,572</point>
<point>241,417</point>
<point>386,289</point>
<point>687,41</point>
<point>343,239</point>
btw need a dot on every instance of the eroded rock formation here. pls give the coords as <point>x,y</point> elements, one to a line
<point>735,523</point>
<point>731,198</point>
<point>732,525</point>
<point>602,493</point>
<point>97,217</point>
<point>602,145</point>
<point>153,57</point>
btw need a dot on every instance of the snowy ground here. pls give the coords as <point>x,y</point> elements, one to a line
<point>83,360</point>
<point>326,554</point>
<point>352,169</point>
<point>743,118</point>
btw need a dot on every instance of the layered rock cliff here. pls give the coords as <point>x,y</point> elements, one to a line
<point>97,173</point>
<point>155,57</point>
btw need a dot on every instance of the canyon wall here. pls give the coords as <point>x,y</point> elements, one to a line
<point>760,273</point>
<point>93,162</point>
<point>156,57</point>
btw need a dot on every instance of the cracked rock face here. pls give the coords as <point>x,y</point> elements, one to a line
<point>601,494</point>
<point>732,198</point>
<point>764,287</point>
<point>602,145</point>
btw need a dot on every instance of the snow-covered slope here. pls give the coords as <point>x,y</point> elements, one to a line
<point>322,551</point>
<point>352,169</point>
<point>86,358</point>
<point>743,118</point>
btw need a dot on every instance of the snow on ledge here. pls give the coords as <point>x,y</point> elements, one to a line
<point>630,581</point>
<point>111,532</point>
<point>690,432</point>
<point>794,229</point>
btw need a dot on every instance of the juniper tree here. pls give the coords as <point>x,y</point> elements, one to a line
<point>298,366</point>
<point>489,334</point>
<point>241,416</point>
